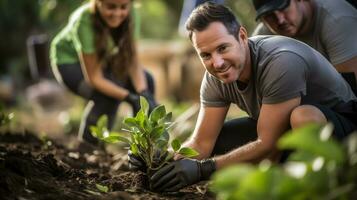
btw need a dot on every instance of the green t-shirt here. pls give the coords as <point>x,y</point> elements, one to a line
<point>77,36</point>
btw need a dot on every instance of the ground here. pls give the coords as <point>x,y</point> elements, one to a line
<point>40,168</point>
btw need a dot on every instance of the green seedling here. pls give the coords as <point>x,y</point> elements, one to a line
<point>102,188</point>
<point>148,136</point>
<point>5,118</point>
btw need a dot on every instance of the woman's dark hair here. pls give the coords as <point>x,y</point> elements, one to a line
<point>210,12</point>
<point>123,36</point>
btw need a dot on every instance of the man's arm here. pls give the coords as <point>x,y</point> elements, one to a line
<point>348,66</point>
<point>274,120</point>
<point>208,126</point>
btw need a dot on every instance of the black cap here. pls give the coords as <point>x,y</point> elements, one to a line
<point>266,6</point>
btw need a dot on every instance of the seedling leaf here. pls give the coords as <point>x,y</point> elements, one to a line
<point>176,144</point>
<point>188,152</point>
<point>158,113</point>
<point>102,188</point>
<point>116,137</point>
<point>144,105</point>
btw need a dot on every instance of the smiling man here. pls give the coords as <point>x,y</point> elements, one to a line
<point>280,82</point>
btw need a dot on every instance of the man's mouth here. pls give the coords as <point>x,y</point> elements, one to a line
<point>284,27</point>
<point>225,69</point>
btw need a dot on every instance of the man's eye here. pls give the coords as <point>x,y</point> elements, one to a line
<point>124,7</point>
<point>204,56</point>
<point>110,6</point>
<point>222,49</point>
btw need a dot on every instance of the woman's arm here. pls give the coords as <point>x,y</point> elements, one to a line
<point>137,75</point>
<point>93,74</point>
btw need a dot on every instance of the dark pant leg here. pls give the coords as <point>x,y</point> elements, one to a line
<point>342,116</point>
<point>351,80</point>
<point>98,106</point>
<point>72,77</point>
<point>235,133</point>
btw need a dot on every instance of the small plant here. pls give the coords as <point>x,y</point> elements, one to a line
<point>319,168</point>
<point>102,188</point>
<point>5,118</point>
<point>149,137</point>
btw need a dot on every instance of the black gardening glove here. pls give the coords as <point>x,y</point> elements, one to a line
<point>150,98</point>
<point>181,173</point>
<point>136,163</point>
<point>134,101</point>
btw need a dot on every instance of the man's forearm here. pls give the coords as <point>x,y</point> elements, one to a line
<point>251,152</point>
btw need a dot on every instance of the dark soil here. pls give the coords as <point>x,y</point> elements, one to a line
<point>31,168</point>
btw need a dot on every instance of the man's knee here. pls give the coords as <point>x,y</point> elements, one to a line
<point>305,114</point>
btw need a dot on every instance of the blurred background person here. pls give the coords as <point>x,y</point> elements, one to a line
<point>329,26</point>
<point>95,57</point>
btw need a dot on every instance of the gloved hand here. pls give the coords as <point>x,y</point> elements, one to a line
<point>136,163</point>
<point>181,173</point>
<point>150,98</point>
<point>134,101</point>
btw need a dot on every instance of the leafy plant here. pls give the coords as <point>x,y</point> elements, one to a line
<point>149,137</point>
<point>319,168</point>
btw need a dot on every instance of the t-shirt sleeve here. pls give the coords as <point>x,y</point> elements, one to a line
<point>261,29</point>
<point>210,92</point>
<point>83,34</point>
<point>283,78</point>
<point>340,39</point>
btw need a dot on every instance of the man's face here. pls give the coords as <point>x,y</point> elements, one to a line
<point>287,22</point>
<point>221,53</point>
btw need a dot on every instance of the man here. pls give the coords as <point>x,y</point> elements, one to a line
<point>329,26</point>
<point>280,82</point>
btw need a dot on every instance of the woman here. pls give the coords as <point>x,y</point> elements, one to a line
<point>95,57</point>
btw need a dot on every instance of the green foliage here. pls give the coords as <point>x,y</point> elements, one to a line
<point>149,137</point>
<point>102,188</point>
<point>5,118</point>
<point>21,18</point>
<point>319,168</point>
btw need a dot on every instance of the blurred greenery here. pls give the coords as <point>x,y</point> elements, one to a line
<point>21,18</point>
<point>319,168</point>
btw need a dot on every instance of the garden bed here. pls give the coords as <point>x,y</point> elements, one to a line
<point>34,168</point>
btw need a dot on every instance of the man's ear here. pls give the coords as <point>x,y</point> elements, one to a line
<point>243,35</point>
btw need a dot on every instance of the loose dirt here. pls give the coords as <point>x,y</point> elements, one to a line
<point>34,168</point>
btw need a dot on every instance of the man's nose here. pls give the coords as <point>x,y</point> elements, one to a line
<point>279,16</point>
<point>217,61</point>
<point>118,12</point>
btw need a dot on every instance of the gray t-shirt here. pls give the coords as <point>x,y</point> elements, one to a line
<point>334,32</point>
<point>282,69</point>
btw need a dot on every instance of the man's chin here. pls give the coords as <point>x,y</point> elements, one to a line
<point>287,33</point>
<point>226,80</point>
